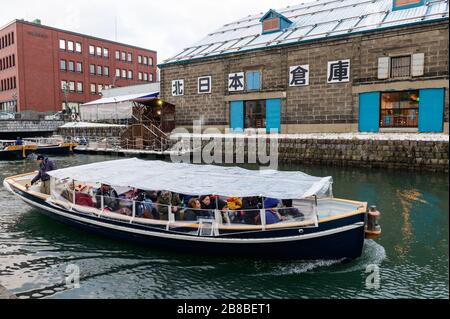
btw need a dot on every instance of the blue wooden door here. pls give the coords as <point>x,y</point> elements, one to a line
<point>431,110</point>
<point>273,115</point>
<point>369,112</point>
<point>237,115</point>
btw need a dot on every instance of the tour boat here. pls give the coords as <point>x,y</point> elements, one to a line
<point>323,227</point>
<point>52,145</point>
<point>10,151</point>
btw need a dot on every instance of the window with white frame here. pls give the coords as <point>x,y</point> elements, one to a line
<point>70,46</point>
<point>130,74</point>
<point>140,59</point>
<point>140,76</point>
<point>145,60</point>
<point>145,77</point>
<point>106,71</point>
<point>124,56</point>
<point>130,57</point>
<point>105,53</point>
<point>124,74</point>
<point>80,87</point>
<point>117,73</point>
<point>79,67</point>
<point>62,44</point>
<point>91,50</point>
<point>78,47</point>
<point>93,88</point>
<point>99,70</point>
<point>117,55</point>
<point>99,51</point>
<point>62,65</point>
<point>72,86</point>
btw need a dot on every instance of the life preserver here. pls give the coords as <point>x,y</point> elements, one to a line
<point>73,117</point>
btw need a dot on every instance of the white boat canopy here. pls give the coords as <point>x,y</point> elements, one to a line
<point>198,180</point>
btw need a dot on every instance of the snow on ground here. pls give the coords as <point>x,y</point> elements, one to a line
<point>88,125</point>
<point>434,137</point>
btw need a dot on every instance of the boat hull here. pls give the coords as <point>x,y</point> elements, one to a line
<point>14,155</point>
<point>55,150</point>
<point>337,239</point>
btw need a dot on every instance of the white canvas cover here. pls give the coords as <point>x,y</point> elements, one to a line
<point>199,179</point>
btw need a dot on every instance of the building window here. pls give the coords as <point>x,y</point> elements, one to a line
<point>99,70</point>
<point>92,69</point>
<point>99,88</point>
<point>130,74</point>
<point>145,60</point>
<point>106,71</point>
<point>399,109</point>
<point>70,46</point>
<point>93,88</point>
<point>72,86</point>
<point>401,66</point>
<point>130,57</point>
<point>91,50</point>
<point>117,55</point>
<point>253,80</point>
<point>271,25</point>
<point>79,67</point>
<point>78,47</point>
<point>62,65</point>
<point>151,77</point>
<point>80,87</point>
<point>140,76</point>
<point>71,66</point>
<point>106,53</point>
<point>99,51</point>
<point>62,44</point>
<point>151,61</point>
<point>63,85</point>
<point>140,59</point>
<point>124,56</point>
<point>124,74</point>
<point>145,77</point>
<point>117,73</point>
<point>255,114</point>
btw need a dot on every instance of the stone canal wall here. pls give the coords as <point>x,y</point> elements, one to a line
<point>412,155</point>
<point>405,153</point>
<point>29,126</point>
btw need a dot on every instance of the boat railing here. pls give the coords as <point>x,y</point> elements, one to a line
<point>204,221</point>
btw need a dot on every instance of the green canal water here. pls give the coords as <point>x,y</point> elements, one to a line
<point>412,254</point>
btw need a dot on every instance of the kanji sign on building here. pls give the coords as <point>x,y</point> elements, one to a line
<point>204,84</point>
<point>339,71</point>
<point>236,82</point>
<point>299,75</point>
<point>177,87</point>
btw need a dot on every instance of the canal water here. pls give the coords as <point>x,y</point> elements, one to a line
<point>411,256</point>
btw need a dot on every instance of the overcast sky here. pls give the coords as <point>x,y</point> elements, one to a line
<point>167,26</point>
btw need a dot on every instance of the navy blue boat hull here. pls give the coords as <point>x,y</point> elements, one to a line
<point>323,242</point>
<point>14,155</point>
<point>54,150</point>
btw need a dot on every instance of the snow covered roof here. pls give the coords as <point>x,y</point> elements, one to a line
<point>320,19</point>
<point>122,98</point>
<point>88,125</point>
<point>199,179</point>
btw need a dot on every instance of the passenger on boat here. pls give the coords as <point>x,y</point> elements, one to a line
<point>110,198</point>
<point>272,215</point>
<point>126,203</point>
<point>289,209</point>
<point>251,207</point>
<point>194,212</point>
<point>208,206</point>
<point>19,141</point>
<point>165,199</point>
<point>45,165</point>
<point>145,207</point>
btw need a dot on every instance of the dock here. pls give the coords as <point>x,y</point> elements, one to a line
<point>5,294</point>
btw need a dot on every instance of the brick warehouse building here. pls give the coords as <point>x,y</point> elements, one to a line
<point>324,66</point>
<point>42,68</point>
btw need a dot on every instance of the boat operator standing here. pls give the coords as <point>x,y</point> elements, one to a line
<point>45,165</point>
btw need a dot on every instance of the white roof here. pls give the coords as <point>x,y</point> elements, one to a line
<point>312,21</point>
<point>88,125</point>
<point>121,98</point>
<point>198,179</point>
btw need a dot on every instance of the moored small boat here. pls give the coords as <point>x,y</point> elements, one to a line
<point>314,226</point>
<point>10,151</point>
<point>52,145</point>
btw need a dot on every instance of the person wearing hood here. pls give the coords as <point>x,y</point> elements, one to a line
<point>272,214</point>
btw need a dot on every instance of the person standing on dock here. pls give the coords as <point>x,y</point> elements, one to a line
<point>45,165</point>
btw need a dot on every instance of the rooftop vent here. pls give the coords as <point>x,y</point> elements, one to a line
<point>273,21</point>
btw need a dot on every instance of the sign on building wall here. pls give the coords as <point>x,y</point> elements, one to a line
<point>177,87</point>
<point>299,75</point>
<point>204,84</point>
<point>339,71</point>
<point>236,82</point>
